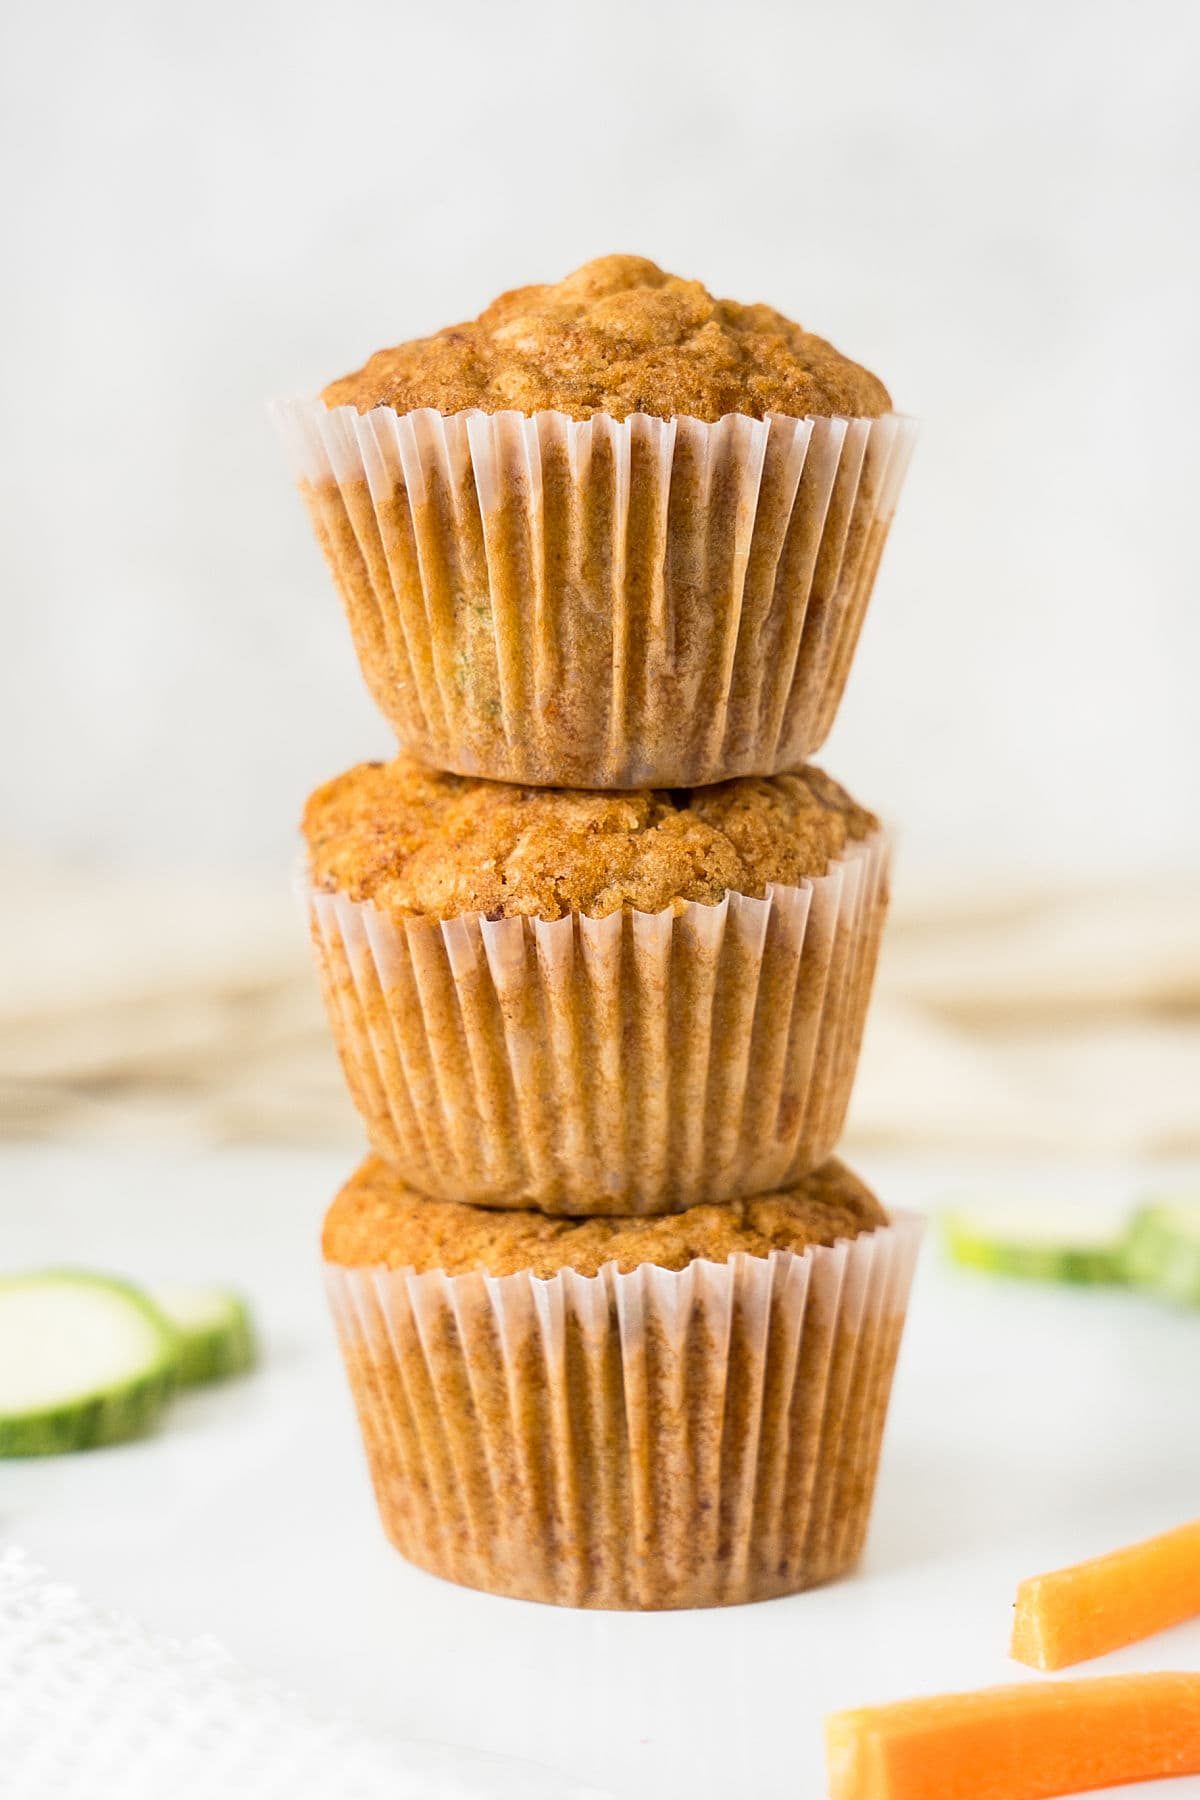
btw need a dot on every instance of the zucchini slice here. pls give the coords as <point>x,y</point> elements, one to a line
<point>1162,1251</point>
<point>213,1327</point>
<point>1037,1243</point>
<point>84,1360</point>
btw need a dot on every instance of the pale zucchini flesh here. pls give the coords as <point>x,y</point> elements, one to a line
<point>85,1360</point>
<point>1162,1251</point>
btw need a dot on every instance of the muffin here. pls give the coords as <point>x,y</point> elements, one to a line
<point>613,533</point>
<point>592,1002</point>
<point>631,1413</point>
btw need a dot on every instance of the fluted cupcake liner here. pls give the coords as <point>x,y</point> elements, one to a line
<point>594,603</point>
<point>638,1063</point>
<point>644,1440</point>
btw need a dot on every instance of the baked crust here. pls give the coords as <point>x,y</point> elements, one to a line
<point>376,1221</point>
<point>618,336</point>
<point>418,842</point>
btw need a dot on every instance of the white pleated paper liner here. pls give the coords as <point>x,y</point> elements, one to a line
<point>638,1063</point>
<point>648,1440</point>
<point>594,603</point>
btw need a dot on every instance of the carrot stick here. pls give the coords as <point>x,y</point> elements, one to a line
<point>1097,1606</point>
<point>1024,1742</point>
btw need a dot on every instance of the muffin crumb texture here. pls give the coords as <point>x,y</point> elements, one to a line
<point>618,336</point>
<point>377,1222</point>
<point>417,842</point>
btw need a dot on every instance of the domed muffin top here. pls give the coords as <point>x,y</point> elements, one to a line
<point>618,336</point>
<point>416,841</point>
<point>377,1222</point>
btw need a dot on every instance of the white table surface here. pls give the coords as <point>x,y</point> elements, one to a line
<point>1030,1426</point>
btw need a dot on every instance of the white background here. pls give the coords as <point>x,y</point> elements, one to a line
<point>208,205</point>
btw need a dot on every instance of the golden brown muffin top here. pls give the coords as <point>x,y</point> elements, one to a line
<point>378,1222</point>
<point>618,336</point>
<point>416,841</point>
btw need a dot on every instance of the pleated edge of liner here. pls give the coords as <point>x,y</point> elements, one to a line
<point>906,1225</point>
<point>876,850</point>
<point>294,416</point>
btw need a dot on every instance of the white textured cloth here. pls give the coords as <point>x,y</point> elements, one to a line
<point>94,1708</point>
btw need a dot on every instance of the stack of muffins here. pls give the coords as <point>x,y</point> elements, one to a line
<point>597,946</point>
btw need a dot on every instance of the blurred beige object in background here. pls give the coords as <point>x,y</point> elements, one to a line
<point>1027,1019</point>
<point>160,1008</point>
<point>1007,1020</point>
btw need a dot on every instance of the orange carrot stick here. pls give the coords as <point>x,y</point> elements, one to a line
<point>1097,1606</point>
<point>1029,1741</point>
